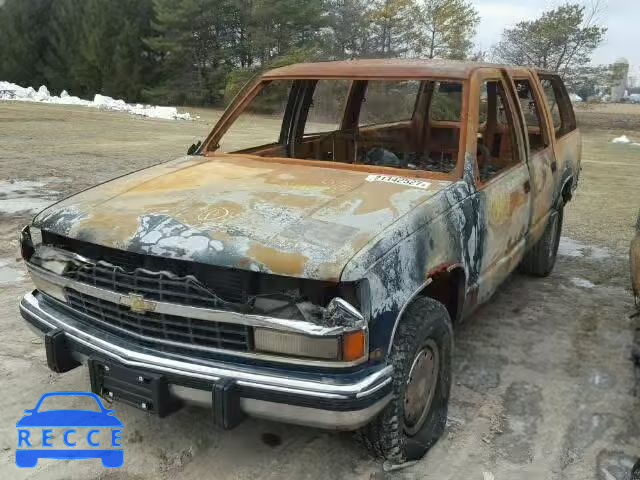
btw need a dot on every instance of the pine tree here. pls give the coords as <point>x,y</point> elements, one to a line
<point>349,21</point>
<point>193,45</point>
<point>24,26</point>
<point>446,28</point>
<point>63,53</point>
<point>392,23</point>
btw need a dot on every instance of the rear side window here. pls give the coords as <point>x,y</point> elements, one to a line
<point>564,120</point>
<point>327,106</point>
<point>389,102</point>
<point>532,114</point>
<point>446,102</point>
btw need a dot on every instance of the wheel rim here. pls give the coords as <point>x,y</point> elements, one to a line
<point>421,387</point>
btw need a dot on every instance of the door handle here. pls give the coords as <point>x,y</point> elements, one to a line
<point>554,166</point>
<point>527,186</point>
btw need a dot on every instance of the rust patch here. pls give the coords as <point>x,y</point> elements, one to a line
<point>517,200</point>
<point>203,213</point>
<point>114,227</point>
<point>287,199</point>
<point>378,198</point>
<point>279,262</point>
<point>205,173</point>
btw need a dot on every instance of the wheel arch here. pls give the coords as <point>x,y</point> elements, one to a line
<point>566,191</point>
<point>447,285</point>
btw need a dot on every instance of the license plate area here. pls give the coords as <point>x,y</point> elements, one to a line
<point>144,390</point>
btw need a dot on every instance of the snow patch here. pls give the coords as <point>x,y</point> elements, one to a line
<point>9,272</point>
<point>11,91</point>
<point>582,282</point>
<point>575,98</point>
<point>572,248</point>
<point>24,196</point>
<point>621,139</point>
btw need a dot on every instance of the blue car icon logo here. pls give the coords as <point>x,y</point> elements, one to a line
<point>39,424</point>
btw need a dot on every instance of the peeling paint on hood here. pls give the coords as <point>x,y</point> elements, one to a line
<point>236,211</point>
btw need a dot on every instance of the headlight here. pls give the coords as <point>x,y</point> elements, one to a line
<point>285,343</point>
<point>348,347</point>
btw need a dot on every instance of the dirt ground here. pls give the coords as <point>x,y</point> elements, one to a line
<point>543,382</point>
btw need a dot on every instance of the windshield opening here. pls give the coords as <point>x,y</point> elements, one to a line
<point>408,124</point>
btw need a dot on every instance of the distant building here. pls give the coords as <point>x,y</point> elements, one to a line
<point>621,73</point>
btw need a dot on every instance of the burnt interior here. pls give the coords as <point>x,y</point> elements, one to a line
<point>408,124</point>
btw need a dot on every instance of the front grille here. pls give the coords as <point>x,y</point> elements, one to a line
<point>168,328</point>
<point>231,285</point>
<point>157,286</point>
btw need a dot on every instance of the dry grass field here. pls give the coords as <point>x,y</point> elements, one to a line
<point>543,382</point>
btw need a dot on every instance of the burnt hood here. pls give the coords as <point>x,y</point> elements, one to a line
<point>237,211</point>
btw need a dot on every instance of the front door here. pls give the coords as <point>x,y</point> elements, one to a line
<point>504,184</point>
<point>542,160</point>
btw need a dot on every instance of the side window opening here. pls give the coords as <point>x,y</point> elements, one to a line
<point>388,102</point>
<point>393,140</point>
<point>532,114</point>
<point>497,141</point>
<point>260,123</point>
<point>446,102</point>
<point>327,106</point>
<point>553,104</point>
<point>564,120</point>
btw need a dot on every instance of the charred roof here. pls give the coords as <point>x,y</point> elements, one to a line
<point>384,68</point>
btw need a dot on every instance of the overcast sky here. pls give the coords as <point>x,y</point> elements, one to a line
<point>622,17</point>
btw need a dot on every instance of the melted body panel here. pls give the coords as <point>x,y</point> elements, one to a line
<point>237,212</point>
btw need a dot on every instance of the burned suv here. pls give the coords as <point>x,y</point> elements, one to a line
<point>309,261</point>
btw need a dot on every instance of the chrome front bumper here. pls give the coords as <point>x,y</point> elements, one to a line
<point>326,400</point>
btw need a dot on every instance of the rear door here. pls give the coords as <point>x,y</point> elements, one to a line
<point>565,134</point>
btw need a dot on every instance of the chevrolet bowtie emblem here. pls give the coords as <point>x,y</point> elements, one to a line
<point>138,304</point>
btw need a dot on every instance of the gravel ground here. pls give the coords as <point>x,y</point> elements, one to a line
<point>543,382</point>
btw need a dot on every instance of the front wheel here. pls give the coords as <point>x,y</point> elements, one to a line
<point>421,356</point>
<point>540,260</point>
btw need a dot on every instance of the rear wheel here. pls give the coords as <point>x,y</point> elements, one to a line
<point>540,260</point>
<point>421,356</point>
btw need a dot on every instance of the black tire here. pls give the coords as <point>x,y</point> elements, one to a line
<point>541,258</point>
<point>425,326</point>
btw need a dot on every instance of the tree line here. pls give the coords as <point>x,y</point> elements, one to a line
<point>200,52</point>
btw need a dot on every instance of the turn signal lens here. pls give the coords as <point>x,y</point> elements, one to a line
<point>353,345</point>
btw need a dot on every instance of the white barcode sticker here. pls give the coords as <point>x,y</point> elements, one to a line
<point>409,182</point>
